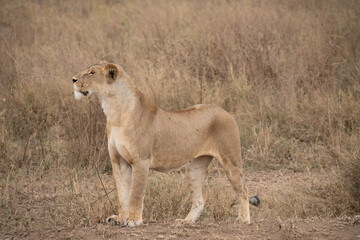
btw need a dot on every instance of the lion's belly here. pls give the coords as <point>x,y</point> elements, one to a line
<point>176,154</point>
<point>178,141</point>
<point>165,161</point>
<point>172,148</point>
<point>168,165</point>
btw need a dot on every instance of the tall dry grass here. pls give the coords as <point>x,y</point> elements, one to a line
<point>287,70</point>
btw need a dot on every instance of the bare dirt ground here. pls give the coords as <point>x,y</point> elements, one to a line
<point>271,185</point>
<point>301,229</point>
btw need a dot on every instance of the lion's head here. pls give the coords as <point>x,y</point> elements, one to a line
<point>94,78</point>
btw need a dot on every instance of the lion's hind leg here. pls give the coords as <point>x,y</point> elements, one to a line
<point>234,173</point>
<point>195,177</point>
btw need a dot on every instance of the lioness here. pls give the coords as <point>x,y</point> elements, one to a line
<point>142,136</point>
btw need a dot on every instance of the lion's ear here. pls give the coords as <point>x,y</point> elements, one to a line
<point>111,72</point>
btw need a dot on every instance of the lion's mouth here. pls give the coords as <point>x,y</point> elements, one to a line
<point>85,93</point>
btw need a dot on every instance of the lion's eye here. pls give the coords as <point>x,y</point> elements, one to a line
<point>91,73</point>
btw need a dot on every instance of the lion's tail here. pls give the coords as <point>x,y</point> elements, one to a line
<point>255,200</point>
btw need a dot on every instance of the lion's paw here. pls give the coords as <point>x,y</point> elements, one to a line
<point>243,220</point>
<point>134,223</point>
<point>115,220</point>
<point>184,221</point>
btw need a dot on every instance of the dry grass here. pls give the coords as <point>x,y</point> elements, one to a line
<point>287,70</point>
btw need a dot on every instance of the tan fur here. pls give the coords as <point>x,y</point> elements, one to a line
<point>142,136</point>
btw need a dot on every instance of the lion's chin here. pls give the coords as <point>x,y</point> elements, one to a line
<point>78,95</point>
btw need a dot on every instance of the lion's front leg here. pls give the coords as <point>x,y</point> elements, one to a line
<point>140,171</point>
<point>123,176</point>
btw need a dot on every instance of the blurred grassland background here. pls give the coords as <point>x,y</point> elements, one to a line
<point>288,71</point>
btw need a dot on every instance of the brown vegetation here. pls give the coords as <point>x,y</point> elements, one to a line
<point>288,71</point>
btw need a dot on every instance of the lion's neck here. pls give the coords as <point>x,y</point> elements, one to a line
<point>121,101</point>
<point>117,100</point>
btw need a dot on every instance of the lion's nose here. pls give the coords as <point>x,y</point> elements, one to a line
<point>74,80</point>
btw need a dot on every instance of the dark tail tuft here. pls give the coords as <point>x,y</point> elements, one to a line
<point>255,200</point>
